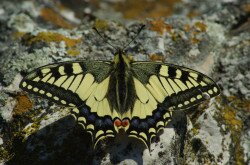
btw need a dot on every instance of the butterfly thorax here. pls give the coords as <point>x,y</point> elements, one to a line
<point>123,85</point>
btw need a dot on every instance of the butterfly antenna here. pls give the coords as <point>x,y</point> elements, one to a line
<point>138,32</point>
<point>104,39</point>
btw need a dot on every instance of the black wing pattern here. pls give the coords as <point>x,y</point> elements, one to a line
<point>161,87</point>
<point>83,86</point>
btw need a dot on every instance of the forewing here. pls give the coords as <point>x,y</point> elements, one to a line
<point>80,84</point>
<point>161,87</point>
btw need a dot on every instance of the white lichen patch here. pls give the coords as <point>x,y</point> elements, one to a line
<point>215,142</point>
<point>70,15</point>
<point>128,161</point>
<point>246,145</point>
<point>194,52</point>
<point>29,129</point>
<point>14,86</point>
<point>21,23</point>
<point>217,32</point>
<point>29,6</point>
<point>1,141</point>
<point>7,109</point>
<point>2,11</point>
<point>161,46</point>
<point>207,64</point>
<point>167,138</point>
<point>51,118</point>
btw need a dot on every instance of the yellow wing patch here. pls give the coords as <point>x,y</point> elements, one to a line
<point>95,95</point>
<point>145,102</point>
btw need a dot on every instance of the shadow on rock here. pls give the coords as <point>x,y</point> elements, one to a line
<point>60,142</point>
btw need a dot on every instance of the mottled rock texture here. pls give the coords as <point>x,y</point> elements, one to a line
<point>209,36</point>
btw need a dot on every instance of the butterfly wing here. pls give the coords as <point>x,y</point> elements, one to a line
<point>82,85</point>
<point>161,86</point>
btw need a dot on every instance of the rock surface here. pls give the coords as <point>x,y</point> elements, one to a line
<point>210,36</point>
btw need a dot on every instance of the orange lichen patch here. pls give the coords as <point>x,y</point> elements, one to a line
<point>52,37</point>
<point>155,57</point>
<point>229,112</point>
<point>240,104</point>
<point>55,18</point>
<point>193,14</point>
<point>18,34</point>
<point>244,105</point>
<point>101,24</point>
<point>175,36</point>
<point>23,105</point>
<point>187,28</point>
<point>195,130</point>
<point>201,26</point>
<point>239,153</point>
<point>194,30</point>
<point>246,7</point>
<point>195,40</point>
<point>141,9</point>
<point>230,118</point>
<point>235,125</point>
<point>160,26</point>
<point>73,52</point>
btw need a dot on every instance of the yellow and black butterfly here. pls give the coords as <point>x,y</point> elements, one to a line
<point>107,96</point>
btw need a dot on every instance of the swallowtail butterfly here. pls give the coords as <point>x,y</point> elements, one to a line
<point>108,96</point>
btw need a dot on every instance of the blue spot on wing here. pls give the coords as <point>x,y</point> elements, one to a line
<point>91,118</point>
<point>143,126</point>
<point>99,123</point>
<point>157,116</point>
<point>108,122</point>
<point>151,122</point>
<point>84,111</point>
<point>134,123</point>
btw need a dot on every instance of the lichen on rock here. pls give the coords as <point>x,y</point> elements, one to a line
<point>211,37</point>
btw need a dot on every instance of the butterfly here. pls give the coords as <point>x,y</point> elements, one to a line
<point>110,96</point>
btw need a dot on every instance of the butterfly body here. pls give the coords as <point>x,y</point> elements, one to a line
<point>122,77</point>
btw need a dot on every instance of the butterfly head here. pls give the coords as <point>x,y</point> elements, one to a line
<point>120,58</point>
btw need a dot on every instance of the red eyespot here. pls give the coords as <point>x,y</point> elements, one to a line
<point>125,122</point>
<point>118,123</point>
